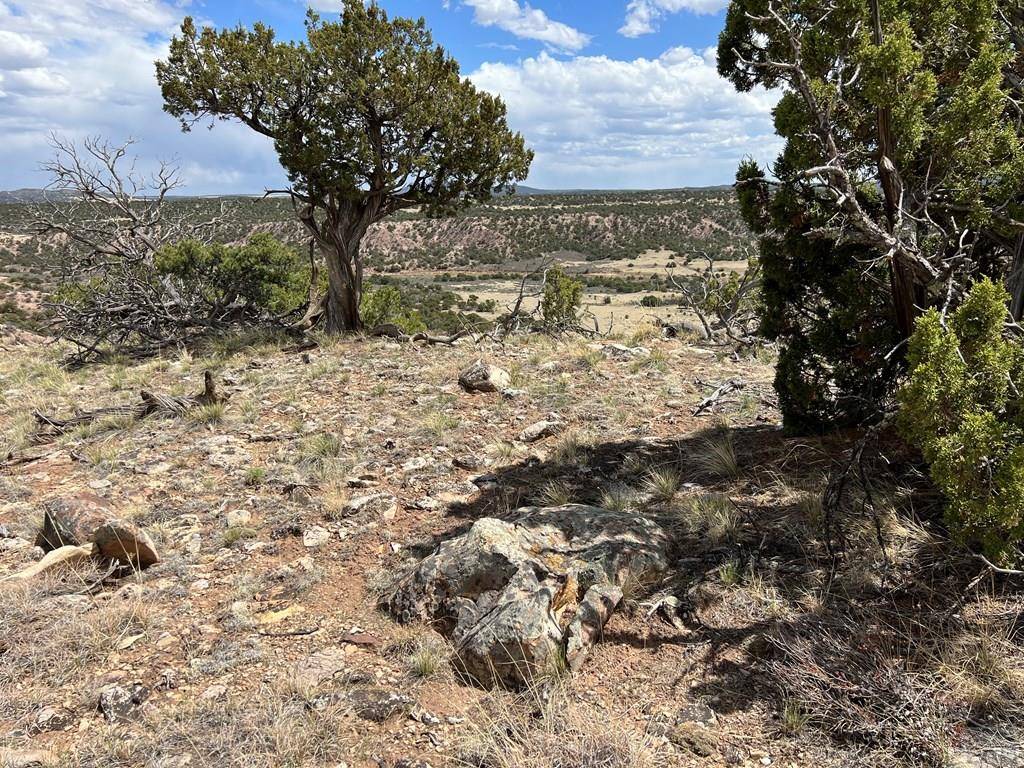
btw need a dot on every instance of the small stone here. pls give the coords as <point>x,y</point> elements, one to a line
<point>316,537</point>
<point>118,703</point>
<point>695,738</point>
<point>320,667</point>
<point>540,430</point>
<point>237,518</point>
<point>50,719</point>
<point>379,705</point>
<point>214,692</point>
<point>698,713</point>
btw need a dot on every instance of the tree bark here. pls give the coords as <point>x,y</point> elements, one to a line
<point>344,281</point>
<point>905,288</point>
<point>1016,282</point>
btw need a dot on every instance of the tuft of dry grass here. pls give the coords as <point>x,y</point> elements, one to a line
<point>268,729</point>
<point>717,455</point>
<point>53,635</point>
<point>556,493</point>
<point>713,515</point>
<point>208,415</point>
<point>429,659</point>
<point>618,498</point>
<point>548,729</point>
<point>663,484</point>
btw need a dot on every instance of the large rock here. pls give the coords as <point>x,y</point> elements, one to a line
<point>481,377</point>
<point>499,591</point>
<point>87,519</point>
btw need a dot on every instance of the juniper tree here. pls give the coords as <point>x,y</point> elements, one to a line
<point>903,163</point>
<point>368,117</point>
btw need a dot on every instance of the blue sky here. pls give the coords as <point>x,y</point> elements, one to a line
<point>610,94</point>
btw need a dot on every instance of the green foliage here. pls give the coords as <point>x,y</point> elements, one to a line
<point>384,305</point>
<point>561,302</point>
<point>825,305</point>
<point>963,407</point>
<point>261,275</point>
<point>852,253</point>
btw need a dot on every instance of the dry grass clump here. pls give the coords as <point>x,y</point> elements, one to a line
<point>982,669</point>
<point>663,484</point>
<point>53,635</point>
<point>619,498</point>
<point>556,493</point>
<point>713,515</point>
<point>208,415</point>
<point>265,730</point>
<point>716,455</point>
<point>570,450</point>
<point>550,730</point>
<point>429,659</point>
<point>842,682</point>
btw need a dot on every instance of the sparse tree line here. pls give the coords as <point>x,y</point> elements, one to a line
<point>890,231</point>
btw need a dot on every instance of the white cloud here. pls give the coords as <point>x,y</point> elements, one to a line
<point>642,16</point>
<point>664,122</point>
<point>524,21</point>
<point>85,67</point>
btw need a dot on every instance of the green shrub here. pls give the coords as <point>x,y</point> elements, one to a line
<point>385,305</point>
<point>562,299</point>
<point>963,407</point>
<point>827,304</point>
<point>262,274</point>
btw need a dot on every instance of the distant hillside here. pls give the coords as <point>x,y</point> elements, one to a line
<point>15,196</point>
<point>594,225</point>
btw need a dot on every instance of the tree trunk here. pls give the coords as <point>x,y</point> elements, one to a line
<point>1016,282</point>
<point>344,283</point>
<point>906,290</point>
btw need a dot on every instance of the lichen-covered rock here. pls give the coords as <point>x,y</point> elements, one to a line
<point>509,639</point>
<point>493,589</point>
<point>596,608</point>
<point>540,430</point>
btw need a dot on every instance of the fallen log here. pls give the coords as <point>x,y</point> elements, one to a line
<point>51,427</point>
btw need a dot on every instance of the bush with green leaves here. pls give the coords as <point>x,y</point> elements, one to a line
<point>260,276</point>
<point>963,407</point>
<point>384,305</point>
<point>827,304</point>
<point>560,305</point>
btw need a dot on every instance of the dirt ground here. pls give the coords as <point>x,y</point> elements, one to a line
<point>224,639</point>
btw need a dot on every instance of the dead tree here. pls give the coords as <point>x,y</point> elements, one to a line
<point>724,302</point>
<point>112,222</point>
<point>525,314</point>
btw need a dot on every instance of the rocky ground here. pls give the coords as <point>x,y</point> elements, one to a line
<point>279,627</point>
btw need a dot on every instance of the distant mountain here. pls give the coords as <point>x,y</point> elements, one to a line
<point>15,196</point>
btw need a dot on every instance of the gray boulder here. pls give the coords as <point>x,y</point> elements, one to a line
<point>508,593</point>
<point>481,377</point>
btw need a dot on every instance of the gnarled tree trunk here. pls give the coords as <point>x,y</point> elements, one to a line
<point>339,238</point>
<point>344,288</point>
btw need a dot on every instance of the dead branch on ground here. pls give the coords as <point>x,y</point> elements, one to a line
<point>50,427</point>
